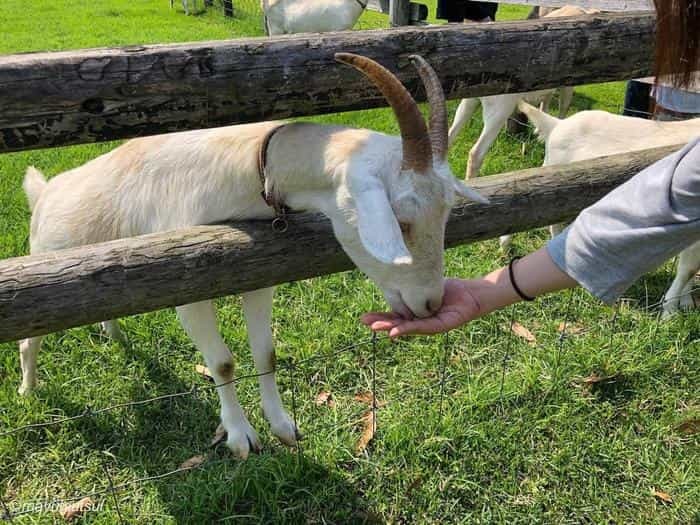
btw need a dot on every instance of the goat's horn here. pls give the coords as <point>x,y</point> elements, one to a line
<point>438,108</point>
<point>417,153</point>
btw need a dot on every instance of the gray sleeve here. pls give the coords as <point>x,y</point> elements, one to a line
<point>635,228</point>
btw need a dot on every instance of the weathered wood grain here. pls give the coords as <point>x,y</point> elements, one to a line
<point>55,99</point>
<point>45,293</point>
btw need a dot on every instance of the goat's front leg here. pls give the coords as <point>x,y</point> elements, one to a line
<point>199,321</point>
<point>257,308</point>
<point>28,353</point>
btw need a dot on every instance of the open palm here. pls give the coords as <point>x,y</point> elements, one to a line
<point>459,306</point>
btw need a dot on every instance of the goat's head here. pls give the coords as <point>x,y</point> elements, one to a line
<point>399,220</point>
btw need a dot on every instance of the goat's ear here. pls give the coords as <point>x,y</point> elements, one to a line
<point>378,227</point>
<point>465,191</point>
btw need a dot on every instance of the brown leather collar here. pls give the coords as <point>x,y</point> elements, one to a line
<point>268,194</point>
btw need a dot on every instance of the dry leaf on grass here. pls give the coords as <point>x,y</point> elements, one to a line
<point>689,427</point>
<point>663,496</point>
<point>595,379</point>
<point>77,509</point>
<point>325,399</point>
<point>571,328</point>
<point>219,435</point>
<point>193,462</point>
<point>204,372</point>
<point>523,333</point>
<point>368,428</point>
<point>367,398</point>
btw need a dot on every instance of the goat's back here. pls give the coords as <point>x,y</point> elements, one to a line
<point>153,184</point>
<point>590,134</point>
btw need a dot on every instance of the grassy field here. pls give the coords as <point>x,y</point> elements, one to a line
<point>548,445</point>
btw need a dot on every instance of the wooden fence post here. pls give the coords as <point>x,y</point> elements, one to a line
<point>228,8</point>
<point>399,12</point>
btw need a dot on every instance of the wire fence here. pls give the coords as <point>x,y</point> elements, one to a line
<point>292,368</point>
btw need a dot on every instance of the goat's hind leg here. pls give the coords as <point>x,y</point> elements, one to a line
<point>28,353</point>
<point>199,321</point>
<point>257,308</point>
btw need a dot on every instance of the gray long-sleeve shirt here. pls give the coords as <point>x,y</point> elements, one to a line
<point>635,228</point>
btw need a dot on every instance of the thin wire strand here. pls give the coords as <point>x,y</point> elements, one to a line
<point>443,374</point>
<point>112,492</point>
<point>506,355</point>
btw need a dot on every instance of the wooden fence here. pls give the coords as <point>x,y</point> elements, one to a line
<point>117,93</point>
<point>107,94</point>
<point>44,293</point>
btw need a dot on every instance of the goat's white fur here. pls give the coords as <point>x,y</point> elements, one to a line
<point>304,16</point>
<point>497,108</point>
<point>165,182</point>
<point>590,134</point>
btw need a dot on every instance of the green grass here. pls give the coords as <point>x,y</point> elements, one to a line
<point>548,451</point>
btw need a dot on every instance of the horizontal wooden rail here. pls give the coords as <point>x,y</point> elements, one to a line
<point>603,5</point>
<point>49,292</point>
<point>55,99</point>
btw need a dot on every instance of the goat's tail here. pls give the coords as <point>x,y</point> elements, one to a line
<point>34,185</point>
<point>544,122</point>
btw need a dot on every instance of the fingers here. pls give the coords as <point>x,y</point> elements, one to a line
<point>416,327</point>
<point>371,317</point>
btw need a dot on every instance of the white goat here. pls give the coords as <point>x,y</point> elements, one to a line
<point>311,16</point>
<point>185,5</point>
<point>591,134</point>
<point>497,108</point>
<point>388,199</point>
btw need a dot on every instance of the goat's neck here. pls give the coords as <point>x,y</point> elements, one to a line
<point>308,164</point>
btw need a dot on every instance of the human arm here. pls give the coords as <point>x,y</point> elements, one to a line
<point>467,299</point>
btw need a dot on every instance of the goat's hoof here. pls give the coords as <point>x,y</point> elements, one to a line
<point>242,440</point>
<point>284,428</point>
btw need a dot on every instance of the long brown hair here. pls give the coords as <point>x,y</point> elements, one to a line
<point>677,41</point>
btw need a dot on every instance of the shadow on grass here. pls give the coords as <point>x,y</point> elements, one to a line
<point>277,486</point>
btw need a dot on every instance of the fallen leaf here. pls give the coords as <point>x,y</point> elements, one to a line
<point>77,509</point>
<point>204,372</point>
<point>595,378</point>
<point>571,328</point>
<point>663,496</point>
<point>368,428</point>
<point>367,398</point>
<point>325,399</point>
<point>689,427</point>
<point>193,462</point>
<point>219,435</point>
<point>523,333</point>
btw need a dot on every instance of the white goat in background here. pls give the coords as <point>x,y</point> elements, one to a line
<point>497,108</point>
<point>388,199</point>
<point>590,134</point>
<point>311,16</point>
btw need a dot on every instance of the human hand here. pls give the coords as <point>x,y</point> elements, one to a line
<point>459,306</point>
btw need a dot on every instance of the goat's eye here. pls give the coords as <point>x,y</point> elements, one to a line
<point>405,227</point>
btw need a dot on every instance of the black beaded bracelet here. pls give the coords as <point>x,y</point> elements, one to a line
<point>512,281</point>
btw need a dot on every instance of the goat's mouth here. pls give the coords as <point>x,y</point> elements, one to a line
<point>399,306</point>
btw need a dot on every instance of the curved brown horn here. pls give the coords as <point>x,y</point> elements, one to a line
<point>438,107</point>
<point>417,152</point>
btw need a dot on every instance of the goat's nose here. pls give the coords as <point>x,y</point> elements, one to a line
<point>433,305</point>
